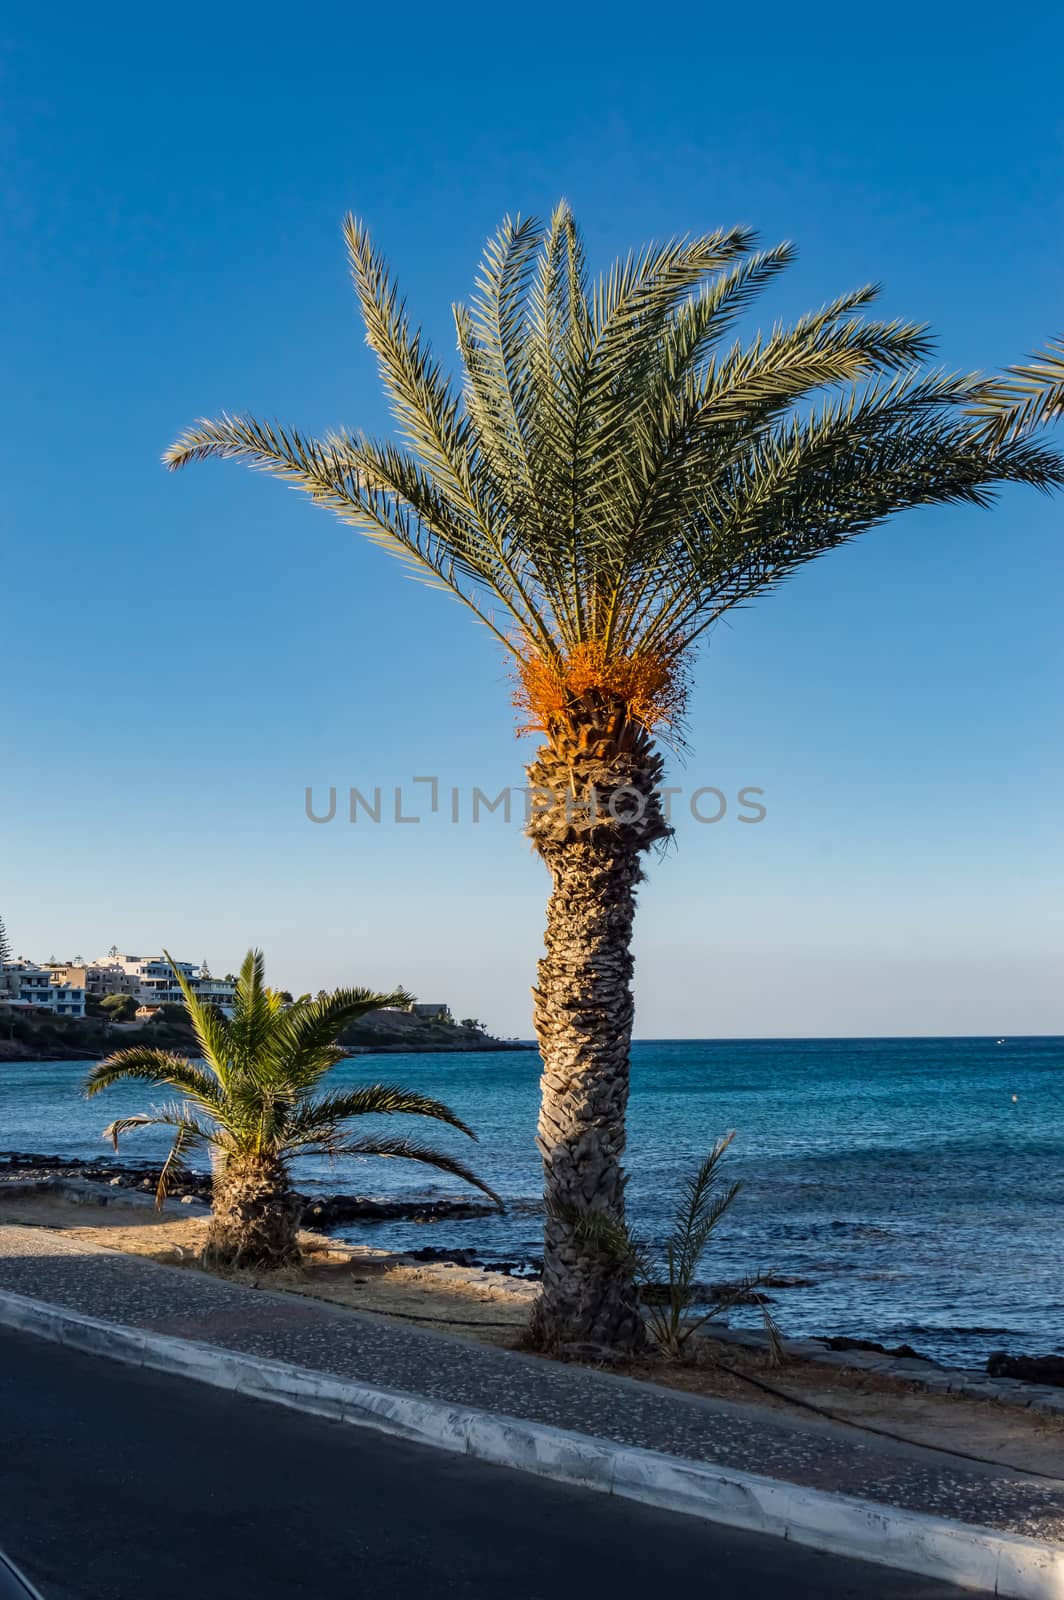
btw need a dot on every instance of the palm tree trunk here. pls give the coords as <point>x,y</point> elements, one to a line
<point>583,1019</point>
<point>599,810</point>
<point>254,1215</point>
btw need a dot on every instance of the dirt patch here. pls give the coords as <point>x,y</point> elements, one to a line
<point>453,1299</point>
<point>1006,1435</point>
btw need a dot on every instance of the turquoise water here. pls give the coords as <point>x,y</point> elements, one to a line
<point>900,1176</point>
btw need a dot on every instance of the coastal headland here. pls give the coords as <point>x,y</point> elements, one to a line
<point>40,1038</point>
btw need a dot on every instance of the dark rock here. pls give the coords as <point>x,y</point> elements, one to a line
<point>325,1212</point>
<point>331,1210</point>
<point>1032,1369</point>
<point>658,1294</point>
<point>601,1354</point>
<point>902,1351</point>
<point>399,1032</point>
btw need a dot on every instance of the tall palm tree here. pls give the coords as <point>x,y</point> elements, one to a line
<point>1026,397</point>
<point>613,474</point>
<point>253,1103</point>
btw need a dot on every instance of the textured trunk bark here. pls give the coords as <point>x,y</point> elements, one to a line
<point>254,1215</point>
<point>596,808</point>
<point>583,1019</point>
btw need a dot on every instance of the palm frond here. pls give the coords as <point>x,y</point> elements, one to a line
<point>608,1236</point>
<point>304,1038</point>
<point>161,1067</point>
<point>428,413</point>
<point>345,476</point>
<point>257,1013</point>
<point>178,1115</point>
<point>315,1118</point>
<point>408,1150</point>
<point>174,1167</point>
<point>493,341</point>
<point>210,1027</point>
<point>740,1294</point>
<point>1027,398</point>
<point>817,482</point>
<point>701,1208</point>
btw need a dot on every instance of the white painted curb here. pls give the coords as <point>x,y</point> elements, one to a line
<point>935,1547</point>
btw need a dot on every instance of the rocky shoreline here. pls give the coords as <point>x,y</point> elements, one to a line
<point>319,1211</point>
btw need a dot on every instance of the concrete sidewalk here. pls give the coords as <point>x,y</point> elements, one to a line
<point>459,1380</point>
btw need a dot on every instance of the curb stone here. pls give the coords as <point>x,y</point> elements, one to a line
<point>935,1547</point>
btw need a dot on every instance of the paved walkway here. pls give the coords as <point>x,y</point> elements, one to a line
<point>188,1304</point>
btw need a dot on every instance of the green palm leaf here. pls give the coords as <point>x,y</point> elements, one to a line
<point>375,1100</point>
<point>210,1027</point>
<point>160,1067</point>
<point>408,1150</point>
<point>1029,397</point>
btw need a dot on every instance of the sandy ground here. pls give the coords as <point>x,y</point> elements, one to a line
<point>469,1303</point>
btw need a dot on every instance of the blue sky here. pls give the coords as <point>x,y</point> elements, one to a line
<point>183,656</point>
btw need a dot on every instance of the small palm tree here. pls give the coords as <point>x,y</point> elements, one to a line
<point>252,1102</point>
<point>668,1279</point>
<point>614,474</point>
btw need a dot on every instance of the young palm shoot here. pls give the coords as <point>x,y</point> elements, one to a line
<point>614,472</point>
<point>669,1282</point>
<point>703,1203</point>
<point>253,1103</point>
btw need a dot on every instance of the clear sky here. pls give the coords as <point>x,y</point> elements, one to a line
<point>182,656</point>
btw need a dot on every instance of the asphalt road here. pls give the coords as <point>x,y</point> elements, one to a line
<point>120,1484</point>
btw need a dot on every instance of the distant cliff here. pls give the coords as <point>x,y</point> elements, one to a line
<point>39,1038</point>
<point>393,1031</point>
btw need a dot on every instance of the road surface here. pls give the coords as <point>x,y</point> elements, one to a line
<point>121,1484</point>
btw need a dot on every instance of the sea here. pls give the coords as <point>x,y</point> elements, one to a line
<point>914,1186</point>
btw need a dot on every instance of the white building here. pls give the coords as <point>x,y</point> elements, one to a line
<point>430,1011</point>
<point>97,980</point>
<point>154,984</point>
<point>23,983</point>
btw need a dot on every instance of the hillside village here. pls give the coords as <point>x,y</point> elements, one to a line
<point>78,1007</point>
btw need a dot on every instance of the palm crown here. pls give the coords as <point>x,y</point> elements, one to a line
<point>254,1096</point>
<point>614,474</point>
